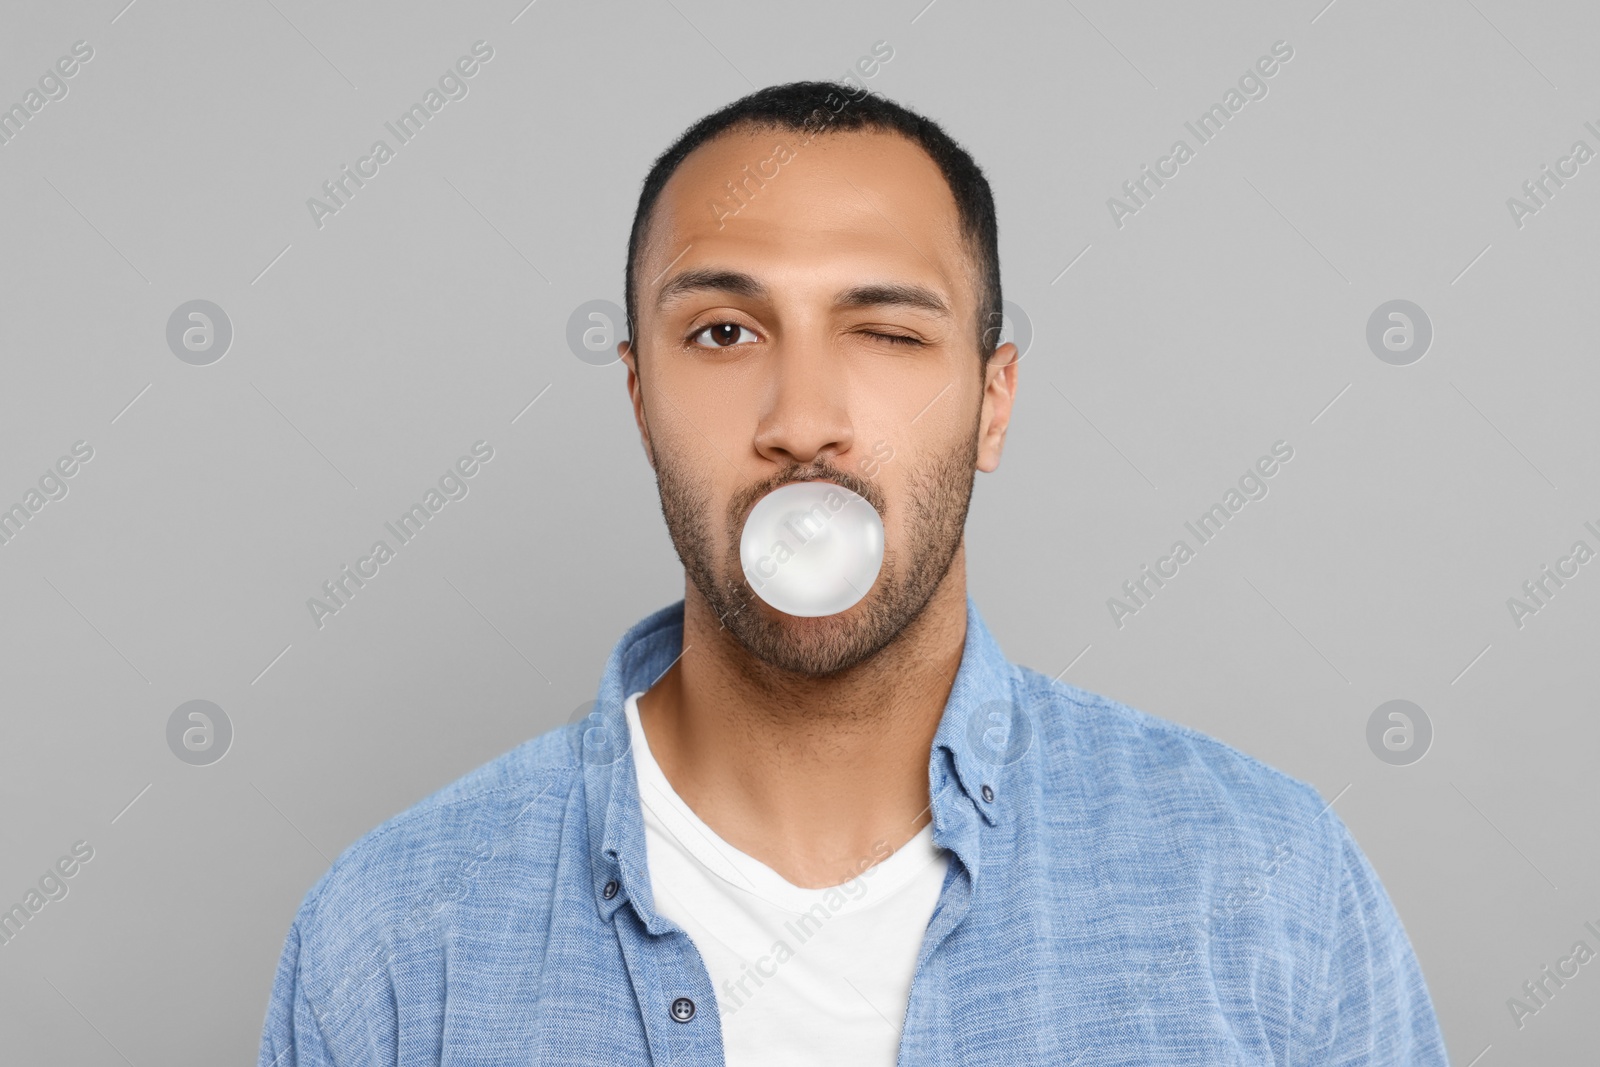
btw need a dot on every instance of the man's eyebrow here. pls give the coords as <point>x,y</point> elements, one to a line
<point>893,294</point>
<point>702,279</point>
<point>738,283</point>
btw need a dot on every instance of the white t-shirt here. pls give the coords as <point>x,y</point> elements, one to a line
<point>802,976</point>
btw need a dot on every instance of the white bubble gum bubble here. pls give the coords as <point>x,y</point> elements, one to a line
<point>812,548</point>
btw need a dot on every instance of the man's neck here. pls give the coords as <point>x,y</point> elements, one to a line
<point>815,777</point>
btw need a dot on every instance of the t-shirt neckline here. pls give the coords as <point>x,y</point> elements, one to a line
<point>877,883</point>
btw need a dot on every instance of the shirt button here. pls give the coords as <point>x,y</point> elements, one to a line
<point>682,1010</point>
<point>988,795</point>
<point>610,890</point>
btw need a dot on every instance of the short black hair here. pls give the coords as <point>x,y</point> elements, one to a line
<point>815,107</point>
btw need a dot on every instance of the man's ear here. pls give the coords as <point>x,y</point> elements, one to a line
<point>626,353</point>
<point>999,393</point>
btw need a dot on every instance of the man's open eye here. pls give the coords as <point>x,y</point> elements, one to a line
<point>723,334</point>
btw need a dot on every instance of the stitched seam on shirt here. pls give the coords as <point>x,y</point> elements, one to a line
<point>302,983</point>
<point>1330,890</point>
<point>310,909</point>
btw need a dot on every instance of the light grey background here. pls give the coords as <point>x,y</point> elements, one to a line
<point>1230,312</point>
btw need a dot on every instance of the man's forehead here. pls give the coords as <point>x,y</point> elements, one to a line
<point>756,190</point>
<point>742,165</point>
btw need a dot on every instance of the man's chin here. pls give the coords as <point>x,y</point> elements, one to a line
<point>811,645</point>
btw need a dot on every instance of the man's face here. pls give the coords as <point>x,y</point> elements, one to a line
<point>767,332</point>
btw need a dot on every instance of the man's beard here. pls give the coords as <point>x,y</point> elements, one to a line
<point>937,496</point>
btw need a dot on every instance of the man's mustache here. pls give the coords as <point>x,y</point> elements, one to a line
<point>746,499</point>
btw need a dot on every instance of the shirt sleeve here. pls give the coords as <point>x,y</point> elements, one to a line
<point>291,1036</point>
<point>1375,1008</point>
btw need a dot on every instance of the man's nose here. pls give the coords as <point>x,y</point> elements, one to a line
<point>807,404</point>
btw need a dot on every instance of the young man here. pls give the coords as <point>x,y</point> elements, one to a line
<point>857,838</point>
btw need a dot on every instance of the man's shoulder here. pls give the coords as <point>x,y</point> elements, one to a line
<point>1170,778</point>
<point>407,869</point>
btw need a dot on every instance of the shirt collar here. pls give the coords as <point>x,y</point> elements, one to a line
<point>983,737</point>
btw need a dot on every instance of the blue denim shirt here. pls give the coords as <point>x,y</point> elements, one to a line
<point>1122,890</point>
